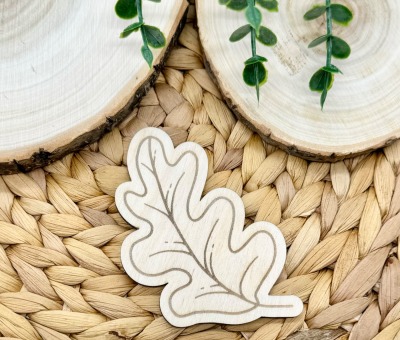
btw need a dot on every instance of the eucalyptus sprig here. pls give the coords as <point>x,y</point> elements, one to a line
<point>254,74</point>
<point>151,35</point>
<point>322,80</point>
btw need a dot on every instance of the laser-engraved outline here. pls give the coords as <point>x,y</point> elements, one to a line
<point>283,306</point>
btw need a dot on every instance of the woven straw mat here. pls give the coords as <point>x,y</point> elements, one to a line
<point>60,269</point>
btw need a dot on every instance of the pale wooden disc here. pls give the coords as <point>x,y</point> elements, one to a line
<point>64,71</point>
<point>361,112</point>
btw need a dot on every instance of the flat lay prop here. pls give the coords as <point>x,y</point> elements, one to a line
<point>66,77</point>
<point>361,112</point>
<point>61,233</point>
<point>214,270</point>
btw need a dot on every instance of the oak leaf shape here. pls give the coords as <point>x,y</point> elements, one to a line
<point>214,270</point>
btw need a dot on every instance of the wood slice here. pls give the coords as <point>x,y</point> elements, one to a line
<point>361,112</point>
<point>66,77</point>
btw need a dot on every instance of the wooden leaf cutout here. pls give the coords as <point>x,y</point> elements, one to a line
<point>214,270</point>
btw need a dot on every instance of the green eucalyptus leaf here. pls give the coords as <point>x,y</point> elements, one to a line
<point>255,74</point>
<point>323,97</point>
<point>223,2</point>
<point>320,79</point>
<point>331,69</point>
<point>266,36</point>
<point>270,5</point>
<point>147,55</point>
<point>319,40</point>
<point>237,5</point>
<point>340,48</point>
<point>341,14</point>
<point>126,9</point>
<point>240,33</point>
<point>255,59</point>
<point>315,12</point>
<point>154,36</point>
<point>130,29</point>
<point>254,17</point>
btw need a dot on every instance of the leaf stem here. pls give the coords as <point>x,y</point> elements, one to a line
<point>253,42</point>
<point>328,50</point>
<point>139,10</point>
<point>254,51</point>
<point>253,32</point>
<point>329,33</point>
<point>146,52</point>
<point>144,38</point>
<point>140,18</point>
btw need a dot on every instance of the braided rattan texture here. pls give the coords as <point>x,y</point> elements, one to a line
<point>60,231</point>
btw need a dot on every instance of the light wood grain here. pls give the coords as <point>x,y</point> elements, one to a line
<point>65,75</point>
<point>214,270</point>
<point>361,112</point>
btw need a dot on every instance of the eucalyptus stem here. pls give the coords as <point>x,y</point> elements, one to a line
<point>329,33</point>
<point>328,79</point>
<point>253,54</point>
<point>140,11</point>
<point>253,32</point>
<point>140,19</point>
<point>253,42</point>
<point>253,36</point>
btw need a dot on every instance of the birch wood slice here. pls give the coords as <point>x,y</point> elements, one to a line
<point>361,112</point>
<point>66,77</point>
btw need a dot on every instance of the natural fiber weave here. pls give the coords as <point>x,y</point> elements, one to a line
<point>61,234</point>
